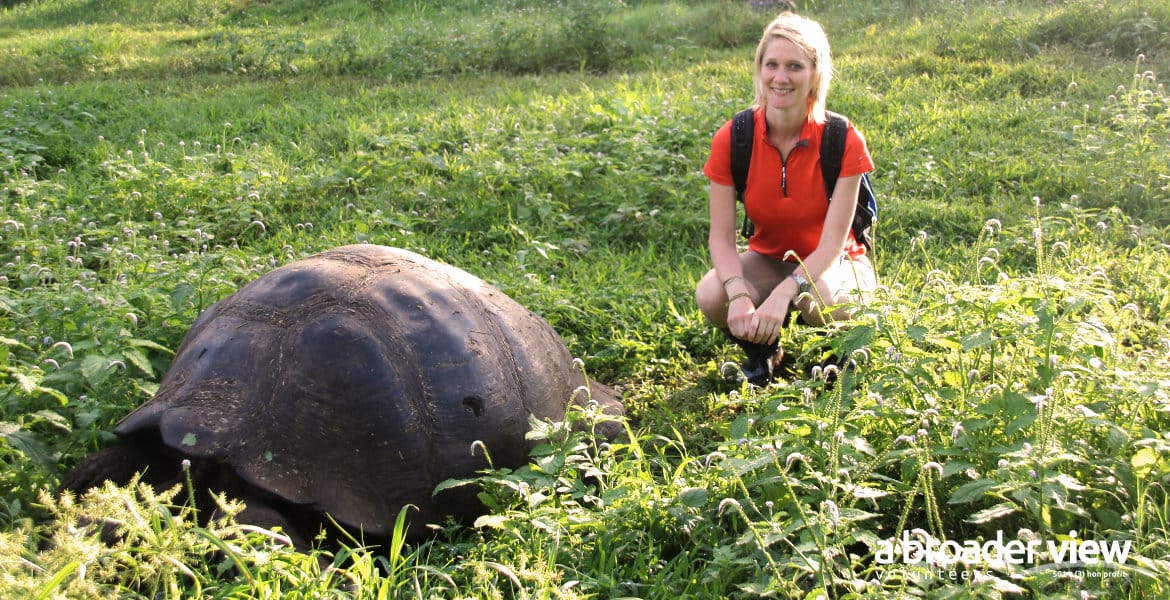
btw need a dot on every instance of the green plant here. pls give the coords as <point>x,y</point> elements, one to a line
<point>1008,379</point>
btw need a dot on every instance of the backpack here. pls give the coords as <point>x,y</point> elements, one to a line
<point>832,152</point>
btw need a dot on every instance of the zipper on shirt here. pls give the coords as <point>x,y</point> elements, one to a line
<point>784,166</point>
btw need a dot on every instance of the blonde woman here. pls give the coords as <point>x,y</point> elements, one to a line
<point>749,295</point>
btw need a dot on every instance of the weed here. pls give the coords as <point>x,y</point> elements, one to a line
<point>1007,381</point>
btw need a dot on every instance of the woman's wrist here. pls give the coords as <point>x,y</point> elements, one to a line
<point>738,296</point>
<point>800,283</point>
<point>735,287</point>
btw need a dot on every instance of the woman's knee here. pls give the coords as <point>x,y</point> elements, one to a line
<point>827,303</point>
<point>711,298</point>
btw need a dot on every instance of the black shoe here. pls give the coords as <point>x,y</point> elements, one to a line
<point>833,367</point>
<point>758,369</point>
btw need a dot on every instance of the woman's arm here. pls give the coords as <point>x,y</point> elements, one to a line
<point>838,222</point>
<point>725,258</point>
<point>829,249</point>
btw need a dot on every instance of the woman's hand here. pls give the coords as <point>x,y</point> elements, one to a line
<point>767,320</point>
<point>739,316</point>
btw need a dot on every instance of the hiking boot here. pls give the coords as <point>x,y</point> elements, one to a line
<point>759,366</point>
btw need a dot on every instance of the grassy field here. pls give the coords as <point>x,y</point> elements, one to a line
<point>1011,380</point>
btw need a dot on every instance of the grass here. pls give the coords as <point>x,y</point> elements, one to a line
<point>1011,375</point>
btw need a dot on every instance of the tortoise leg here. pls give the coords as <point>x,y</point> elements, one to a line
<point>119,464</point>
<point>261,514</point>
<point>609,400</point>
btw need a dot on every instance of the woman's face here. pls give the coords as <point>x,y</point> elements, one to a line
<point>786,73</point>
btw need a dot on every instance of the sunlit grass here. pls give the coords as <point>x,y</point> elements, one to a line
<point>1010,375</point>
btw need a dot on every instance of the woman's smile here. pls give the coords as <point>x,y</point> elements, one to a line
<point>787,72</point>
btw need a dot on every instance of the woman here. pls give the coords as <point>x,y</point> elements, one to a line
<point>750,295</point>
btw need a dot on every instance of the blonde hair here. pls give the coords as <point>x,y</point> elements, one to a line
<point>808,35</point>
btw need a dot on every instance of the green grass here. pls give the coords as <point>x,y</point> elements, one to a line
<point>1011,377</point>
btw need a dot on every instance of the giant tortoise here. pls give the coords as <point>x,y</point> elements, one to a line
<point>347,385</point>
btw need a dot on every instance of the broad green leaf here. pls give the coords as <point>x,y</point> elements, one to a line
<point>972,491</point>
<point>862,492</point>
<point>94,369</point>
<point>492,521</point>
<point>135,357</point>
<point>917,333</point>
<point>27,443</point>
<point>980,339</point>
<point>955,466</point>
<point>1002,509</point>
<point>27,385</point>
<point>30,386</point>
<point>450,484</point>
<point>1068,482</point>
<point>693,497</point>
<point>149,344</point>
<point>739,427</point>
<point>1144,461</point>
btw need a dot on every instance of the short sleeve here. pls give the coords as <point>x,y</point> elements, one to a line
<point>718,165</point>
<point>856,159</point>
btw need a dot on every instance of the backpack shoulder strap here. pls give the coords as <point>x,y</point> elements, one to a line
<point>832,155</point>
<point>742,130</point>
<point>833,149</point>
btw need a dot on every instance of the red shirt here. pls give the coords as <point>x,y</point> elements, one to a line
<point>789,216</point>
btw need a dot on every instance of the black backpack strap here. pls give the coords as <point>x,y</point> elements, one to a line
<point>742,128</point>
<point>833,149</point>
<point>742,132</point>
<point>832,154</point>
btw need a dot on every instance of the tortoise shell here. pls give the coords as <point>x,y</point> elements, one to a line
<point>354,381</point>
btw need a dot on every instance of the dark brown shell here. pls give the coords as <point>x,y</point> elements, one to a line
<point>354,381</point>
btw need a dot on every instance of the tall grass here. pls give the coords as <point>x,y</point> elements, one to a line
<point>1009,378</point>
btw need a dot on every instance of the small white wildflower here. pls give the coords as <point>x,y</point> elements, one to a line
<point>729,502</point>
<point>834,513</point>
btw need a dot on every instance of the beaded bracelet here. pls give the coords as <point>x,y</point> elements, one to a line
<point>731,279</point>
<point>738,296</point>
